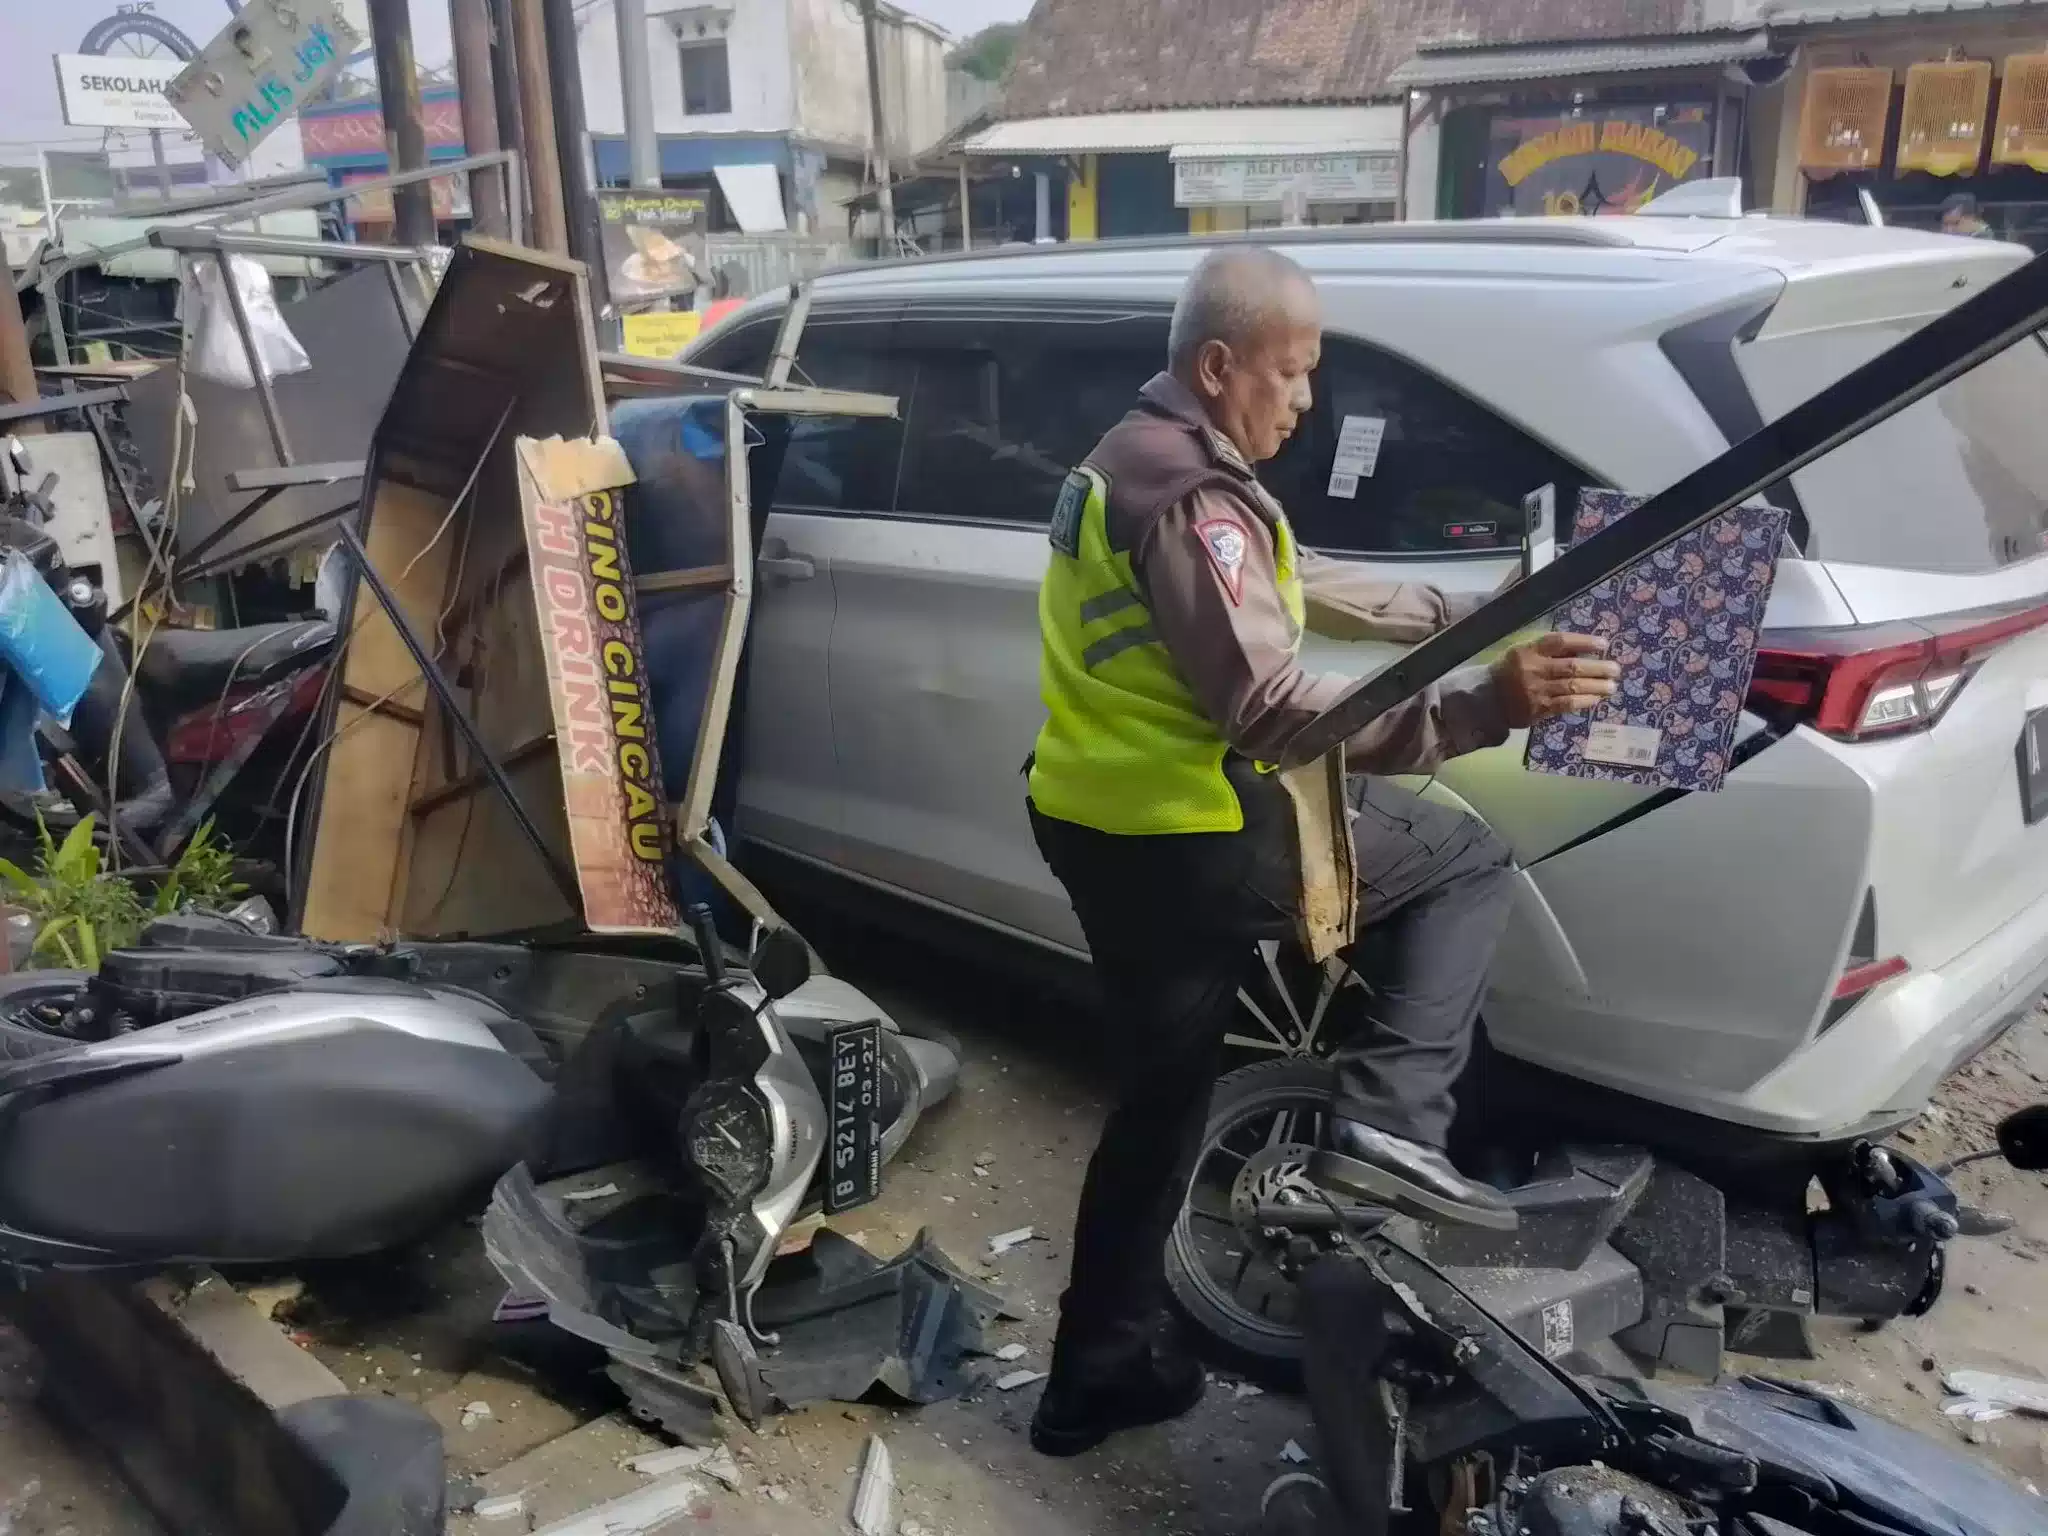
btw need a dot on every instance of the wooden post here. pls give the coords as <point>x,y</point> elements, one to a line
<point>405,119</point>
<point>470,24</point>
<point>537,127</point>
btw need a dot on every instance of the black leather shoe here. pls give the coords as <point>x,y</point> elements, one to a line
<point>1367,1164</point>
<point>1079,1412</point>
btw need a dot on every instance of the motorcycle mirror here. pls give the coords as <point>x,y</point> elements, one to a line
<point>2023,1138</point>
<point>781,962</point>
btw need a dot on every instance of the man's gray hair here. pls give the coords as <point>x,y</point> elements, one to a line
<point>1232,294</point>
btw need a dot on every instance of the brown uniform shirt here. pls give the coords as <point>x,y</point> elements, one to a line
<point>1207,571</point>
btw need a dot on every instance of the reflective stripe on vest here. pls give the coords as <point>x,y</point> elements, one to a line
<point>1125,747</point>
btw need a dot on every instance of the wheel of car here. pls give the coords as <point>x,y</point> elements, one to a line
<point>1226,1275</point>
<point>1291,1006</point>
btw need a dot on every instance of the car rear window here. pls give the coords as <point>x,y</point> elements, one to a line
<point>1956,482</point>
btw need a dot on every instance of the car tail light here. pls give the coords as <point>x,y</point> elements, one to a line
<point>1859,979</point>
<point>1862,971</point>
<point>1879,680</point>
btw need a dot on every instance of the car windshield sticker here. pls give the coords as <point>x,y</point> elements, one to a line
<point>1358,453</point>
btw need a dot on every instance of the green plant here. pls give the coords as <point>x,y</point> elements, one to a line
<point>204,876</point>
<point>80,913</point>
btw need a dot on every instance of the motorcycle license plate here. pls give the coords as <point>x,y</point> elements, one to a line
<point>2033,760</point>
<point>854,1151</point>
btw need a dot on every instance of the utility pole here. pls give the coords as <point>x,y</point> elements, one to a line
<point>17,368</point>
<point>885,199</point>
<point>572,147</point>
<point>470,23</point>
<point>537,126</point>
<point>637,88</point>
<point>405,119</point>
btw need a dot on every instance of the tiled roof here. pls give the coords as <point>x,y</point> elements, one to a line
<point>1124,55</point>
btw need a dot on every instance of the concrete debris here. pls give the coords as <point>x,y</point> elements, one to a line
<point>1011,1352</point>
<point>602,1192</point>
<point>2018,1394</point>
<point>719,1464</point>
<point>1003,1242</point>
<point>680,1458</point>
<point>505,1507</point>
<point>912,1528</point>
<point>777,1495</point>
<point>636,1514</point>
<point>475,1413</point>
<point>875,1496</point>
<point>1016,1379</point>
<point>1245,1389</point>
<point>1292,1452</point>
<point>1975,1410</point>
<point>29,1492</point>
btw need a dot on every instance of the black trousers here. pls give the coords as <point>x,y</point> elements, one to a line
<point>1171,923</point>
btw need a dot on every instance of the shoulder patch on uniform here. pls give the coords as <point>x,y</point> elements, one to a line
<point>1065,532</point>
<point>1225,542</point>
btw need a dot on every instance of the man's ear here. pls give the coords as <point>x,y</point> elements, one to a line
<point>1212,360</point>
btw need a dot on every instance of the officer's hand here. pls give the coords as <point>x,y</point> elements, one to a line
<point>1556,675</point>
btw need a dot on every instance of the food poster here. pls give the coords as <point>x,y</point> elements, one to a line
<point>1595,160</point>
<point>650,241</point>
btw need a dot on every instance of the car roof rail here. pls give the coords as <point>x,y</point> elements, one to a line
<point>1561,230</point>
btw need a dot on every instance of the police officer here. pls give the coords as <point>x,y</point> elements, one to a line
<point>1164,796</point>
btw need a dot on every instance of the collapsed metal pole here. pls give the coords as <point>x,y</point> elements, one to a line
<point>1944,349</point>
<point>405,119</point>
<point>885,196</point>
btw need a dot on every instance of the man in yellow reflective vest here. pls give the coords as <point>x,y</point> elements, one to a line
<point>1165,798</point>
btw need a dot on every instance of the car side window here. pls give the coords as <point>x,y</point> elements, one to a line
<point>1003,409</point>
<point>1423,469</point>
<point>743,349</point>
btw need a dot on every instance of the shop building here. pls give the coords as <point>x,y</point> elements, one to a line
<point>1188,116</point>
<point>1910,103</point>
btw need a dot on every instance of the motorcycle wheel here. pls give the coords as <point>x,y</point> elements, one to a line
<point>1221,1269</point>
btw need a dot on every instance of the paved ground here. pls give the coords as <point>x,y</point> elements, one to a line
<point>418,1328</point>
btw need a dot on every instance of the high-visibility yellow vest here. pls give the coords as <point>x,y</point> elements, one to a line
<point>1125,748</point>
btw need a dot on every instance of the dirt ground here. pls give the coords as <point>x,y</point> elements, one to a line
<point>1026,1113</point>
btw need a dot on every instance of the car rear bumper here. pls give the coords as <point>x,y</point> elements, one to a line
<point>1886,1056</point>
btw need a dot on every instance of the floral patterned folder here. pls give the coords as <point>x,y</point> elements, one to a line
<point>1683,624</point>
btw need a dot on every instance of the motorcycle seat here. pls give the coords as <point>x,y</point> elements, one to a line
<point>194,665</point>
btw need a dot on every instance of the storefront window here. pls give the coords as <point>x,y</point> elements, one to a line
<point>1594,160</point>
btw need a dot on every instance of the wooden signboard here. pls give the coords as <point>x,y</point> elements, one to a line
<point>1941,129</point>
<point>1842,124</point>
<point>620,834</point>
<point>2021,137</point>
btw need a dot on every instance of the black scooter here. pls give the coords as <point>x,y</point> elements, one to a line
<point>1434,1415</point>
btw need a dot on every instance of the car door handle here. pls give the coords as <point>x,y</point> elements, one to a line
<point>776,560</point>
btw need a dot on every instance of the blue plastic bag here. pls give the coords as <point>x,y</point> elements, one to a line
<point>40,640</point>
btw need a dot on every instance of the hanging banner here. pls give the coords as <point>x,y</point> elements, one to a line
<point>1600,160</point>
<point>1230,180</point>
<point>647,239</point>
<point>1941,128</point>
<point>2021,137</point>
<point>1842,124</point>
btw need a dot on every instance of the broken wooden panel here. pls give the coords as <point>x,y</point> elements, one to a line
<point>408,833</point>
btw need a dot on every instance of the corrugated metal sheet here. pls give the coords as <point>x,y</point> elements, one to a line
<point>1480,65</point>
<point>1251,130</point>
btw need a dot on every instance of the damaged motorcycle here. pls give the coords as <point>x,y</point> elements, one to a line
<point>1436,1412</point>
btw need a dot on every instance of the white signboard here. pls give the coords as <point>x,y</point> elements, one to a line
<point>271,60</point>
<point>117,91</point>
<point>1352,178</point>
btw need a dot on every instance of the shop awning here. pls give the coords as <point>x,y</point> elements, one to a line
<point>1565,61</point>
<point>1224,131</point>
<point>754,194</point>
